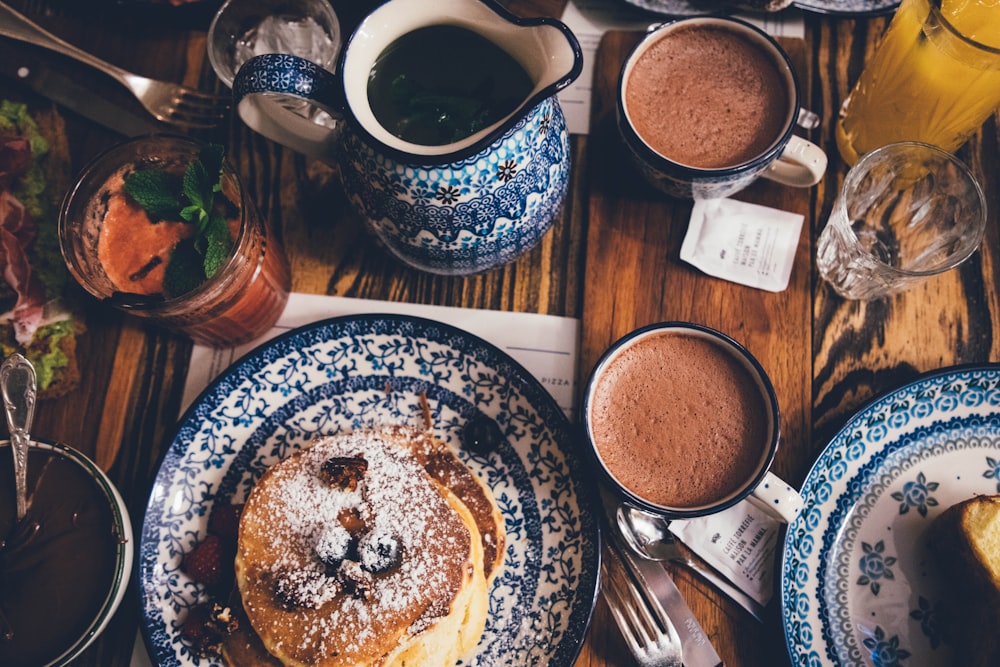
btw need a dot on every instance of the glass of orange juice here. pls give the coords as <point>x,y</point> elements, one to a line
<point>935,78</point>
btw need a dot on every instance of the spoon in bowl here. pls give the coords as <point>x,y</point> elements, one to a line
<point>649,536</point>
<point>17,382</point>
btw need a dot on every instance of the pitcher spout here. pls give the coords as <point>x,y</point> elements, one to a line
<point>421,82</point>
<point>545,47</point>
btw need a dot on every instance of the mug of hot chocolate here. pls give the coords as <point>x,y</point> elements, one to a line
<point>707,105</point>
<point>682,421</point>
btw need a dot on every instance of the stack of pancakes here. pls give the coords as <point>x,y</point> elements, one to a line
<point>376,547</point>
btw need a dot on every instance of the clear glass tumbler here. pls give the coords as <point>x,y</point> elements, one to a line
<point>237,303</point>
<point>906,211</point>
<point>242,29</point>
<point>935,78</point>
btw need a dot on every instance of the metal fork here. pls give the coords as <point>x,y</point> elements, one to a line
<point>168,102</point>
<point>648,632</point>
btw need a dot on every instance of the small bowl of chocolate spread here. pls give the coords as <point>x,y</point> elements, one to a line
<point>65,566</point>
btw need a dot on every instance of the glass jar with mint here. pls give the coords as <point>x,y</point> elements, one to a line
<point>162,228</point>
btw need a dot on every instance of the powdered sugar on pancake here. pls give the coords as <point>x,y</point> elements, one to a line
<point>310,608</point>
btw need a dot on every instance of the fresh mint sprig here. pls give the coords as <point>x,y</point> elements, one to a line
<point>194,198</point>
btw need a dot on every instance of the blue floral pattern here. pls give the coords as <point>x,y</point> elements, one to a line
<point>699,7</point>
<point>993,470</point>
<point>929,617</point>
<point>869,497</point>
<point>885,651</point>
<point>349,373</point>
<point>472,215</point>
<point>916,495</point>
<point>875,566</point>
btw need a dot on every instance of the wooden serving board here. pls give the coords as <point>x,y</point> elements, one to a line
<point>633,247</point>
<point>632,254</point>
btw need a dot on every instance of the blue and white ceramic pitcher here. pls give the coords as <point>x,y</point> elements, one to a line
<point>457,208</point>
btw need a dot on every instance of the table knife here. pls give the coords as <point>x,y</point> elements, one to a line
<point>45,80</point>
<point>696,649</point>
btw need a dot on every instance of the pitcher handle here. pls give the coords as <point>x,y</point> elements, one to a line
<point>265,76</point>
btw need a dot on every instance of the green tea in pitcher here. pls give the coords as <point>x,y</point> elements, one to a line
<point>440,84</point>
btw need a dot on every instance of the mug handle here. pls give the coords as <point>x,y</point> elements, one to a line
<point>263,77</point>
<point>801,164</point>
<point>776,497</point>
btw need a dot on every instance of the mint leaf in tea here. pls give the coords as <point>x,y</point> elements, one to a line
<point>440,84</point>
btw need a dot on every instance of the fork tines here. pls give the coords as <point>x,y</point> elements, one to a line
<point>197,110</point>
<point>648,633</point>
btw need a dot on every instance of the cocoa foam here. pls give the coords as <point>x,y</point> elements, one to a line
<point>706,97</point>
<point>678,420</point>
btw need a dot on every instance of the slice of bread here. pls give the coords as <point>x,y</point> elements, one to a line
<point>965,541</point>
<point>53,345</point>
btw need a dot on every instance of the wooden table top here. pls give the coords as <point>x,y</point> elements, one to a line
<point>610,260</point>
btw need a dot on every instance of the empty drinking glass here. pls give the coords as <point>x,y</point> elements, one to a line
<point>243,29</point>
<point>906,211</point>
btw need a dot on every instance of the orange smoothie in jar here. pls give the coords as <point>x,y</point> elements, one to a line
<point>134,250</point>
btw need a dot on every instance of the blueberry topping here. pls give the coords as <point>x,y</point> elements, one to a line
<point>378,551</point>
<point>481,435</point>
<point>333,546</point>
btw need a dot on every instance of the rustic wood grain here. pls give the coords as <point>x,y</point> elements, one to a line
<point>634,277</point>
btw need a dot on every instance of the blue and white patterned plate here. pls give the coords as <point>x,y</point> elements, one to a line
<point>858,586</point>
<point>848,7</point>
<point>350,372</point>
<point>678,8</point>
<point>674,8</point>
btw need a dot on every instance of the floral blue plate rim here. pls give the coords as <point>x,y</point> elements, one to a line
<point>858,586</point>
<point>355,371</point>
<point>679,8</point>
<point>848,7</point>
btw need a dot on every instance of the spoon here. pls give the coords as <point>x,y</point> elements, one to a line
<point>649,536</point>
<point>17,382</point>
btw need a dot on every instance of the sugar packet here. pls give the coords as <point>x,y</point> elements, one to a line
<point>741,242</point>
<point>740,542</point>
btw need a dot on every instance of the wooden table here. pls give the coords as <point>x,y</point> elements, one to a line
<point>610,260</point>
